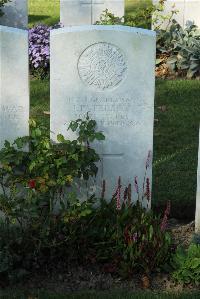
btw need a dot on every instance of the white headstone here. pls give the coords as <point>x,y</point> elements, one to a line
<point>15,14</point>
<point>107,71</point>
<point>14,85</point>
<point>188,11</point>
<point>192,12</point>
<point>197,218</point>
<point>87,12</point>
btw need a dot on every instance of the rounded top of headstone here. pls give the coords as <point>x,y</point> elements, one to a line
<point>102,66</point>
<point>104,28</point>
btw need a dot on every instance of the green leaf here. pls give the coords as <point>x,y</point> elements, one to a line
<point>195,263</point>
<point>100,136</point>
<point>60,138</point>
<point>37,132</point>
<point>19,143</point>
<point>7,144</point>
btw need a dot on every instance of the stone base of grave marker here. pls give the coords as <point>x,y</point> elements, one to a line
<point>14,84</point>
<point>87,12</point>
<point>107,71</point>
<point>15,14</point>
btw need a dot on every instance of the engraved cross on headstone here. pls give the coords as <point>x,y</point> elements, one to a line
<point>110,170</point>
<point>91,4</point>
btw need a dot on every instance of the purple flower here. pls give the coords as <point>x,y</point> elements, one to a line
<point>39,47</point>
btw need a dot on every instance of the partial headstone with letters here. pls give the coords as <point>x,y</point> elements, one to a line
<point>107,71</point>
<point>14,84</point>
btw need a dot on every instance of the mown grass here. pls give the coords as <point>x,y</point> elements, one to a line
<point>44,11</point>
<point>40,100</point>
<point>100,295</point>
<point>177,116</point>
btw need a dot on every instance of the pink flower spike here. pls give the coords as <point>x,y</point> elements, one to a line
<point>103,189</point>
<point>118,203</point>
<point>134,237</point>
<point>148,192</point>
<point>163,225</point>
<point>136,185</point>
<point>148,161</point>
<point>125,194</point>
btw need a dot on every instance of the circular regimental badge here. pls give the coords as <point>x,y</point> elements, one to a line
<point>102,66</point>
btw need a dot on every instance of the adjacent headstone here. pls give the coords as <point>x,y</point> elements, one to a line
<point>87,12</point>
<point>192,12</point>
<point>188,11</point>
<point>197,218</point>
<point>107,71</point>
<point>15,14</point>
<point>14,85</point>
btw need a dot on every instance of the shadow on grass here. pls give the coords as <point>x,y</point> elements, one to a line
<point>37,18</point>
<point>176,145</point>
<point>133,6</point>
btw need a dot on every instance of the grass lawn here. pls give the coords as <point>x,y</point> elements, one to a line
<point>103,295</point>
<point>176,144</point>
<point>44,11</point>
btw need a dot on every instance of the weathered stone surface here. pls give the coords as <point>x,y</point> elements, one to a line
<point>15,14</point>
<point>87,12</point>
<point>197,218</point>
<point>14,85</point>
<point>107,71</point>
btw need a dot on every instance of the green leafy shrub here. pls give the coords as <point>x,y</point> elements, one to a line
<point>46,167</point>
<point>142,18</point>
<point>125,237</point>
<point>46,220</point>
<point>167,39</point>
<point>123,240</point>
<point>122,237</point>
<point>187,265</point>
<point>129,239</point>
<point>182,48</point>
<point>38,193</point>
<point>159,19</point>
